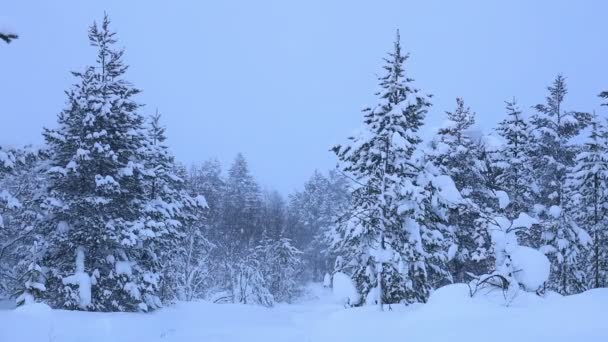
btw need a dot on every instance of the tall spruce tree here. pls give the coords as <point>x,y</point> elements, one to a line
<point>553,154</point>
<point>101,253</point>
<point>379,238</point>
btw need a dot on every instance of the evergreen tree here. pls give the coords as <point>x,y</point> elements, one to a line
<point>380,237</point>
<point>35,280</point>
<point>175,217</point>
<point>241,209</point>
<point>513,161</point>
<point>553,155</point>
<point>241,232</point>
<point>455,153</point>
<point>207,180</point>
<point>589,181</point>
<point>273,215</point>
<point>97,193</point>
<point>312,213</point>
<point>21,184</point>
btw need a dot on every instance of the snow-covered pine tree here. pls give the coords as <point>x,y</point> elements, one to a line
<point>242,231</point>
<point>379,237</point>
<point>312,213</point>
<point>589,181</point>
<point>21,185</point>
<point>35,279</point>
<point>438,199</point>
<point>515,175</point>
<point>456,154</point>
<point>273,215</point>
<point>241,209</point>
<point>176,219</point>
<point>552,156</point>
<point>207,180</point>
<point>97,227</point>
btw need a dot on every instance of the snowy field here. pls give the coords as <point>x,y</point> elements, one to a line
<point>449,316</point>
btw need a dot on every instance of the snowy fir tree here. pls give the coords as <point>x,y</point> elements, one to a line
<point>380,236</point>
<point>312,214</point>
<point>102,250</point>
<point>553,155</point>
<point>588,181</point>
<point>241,233</point>
<point>516,176</point>
<point>35,280</point>
<point>103,217</point>
<point>175,218</point>
<point>21,188</point>
<point>455,153</point>
<point>206,179</point>
<point>241,209</point>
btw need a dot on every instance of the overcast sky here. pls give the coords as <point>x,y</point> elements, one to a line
<point>281,81</point>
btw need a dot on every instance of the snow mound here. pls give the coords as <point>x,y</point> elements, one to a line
<point>327,280</point>
<point>344,290</point>
<point>453,295</point>
<point>35,309</point>
<point>447,189</point>
<point>532,267</point>
<point>450,315</point>
<point>555,211</point>
<point>503,199</point>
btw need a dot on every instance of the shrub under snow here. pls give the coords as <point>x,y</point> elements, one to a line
<point>344,290</point>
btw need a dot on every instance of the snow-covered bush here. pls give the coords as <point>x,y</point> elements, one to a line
<point>249,286</point>
<point>34,284</point>
<point>516,267</point>
<point>280,265</point>
<point>344,290</point>
<point>327,280</point>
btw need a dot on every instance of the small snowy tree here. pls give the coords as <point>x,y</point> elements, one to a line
<point>516,176</point>
<point>249,284</point>
<point>516,267</point>
<point>34,285</point>
<point>281,262</point>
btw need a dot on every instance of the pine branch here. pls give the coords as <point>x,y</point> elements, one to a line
<point>8,37</point>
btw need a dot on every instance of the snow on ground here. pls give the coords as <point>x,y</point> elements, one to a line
<point>450,315</point>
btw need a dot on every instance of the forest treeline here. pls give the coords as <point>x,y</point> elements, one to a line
<point>103,218</point>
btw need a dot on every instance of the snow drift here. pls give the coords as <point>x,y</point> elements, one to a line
<point>450,315</point>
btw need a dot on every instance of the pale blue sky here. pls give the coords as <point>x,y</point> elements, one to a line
<point>281,81</point>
